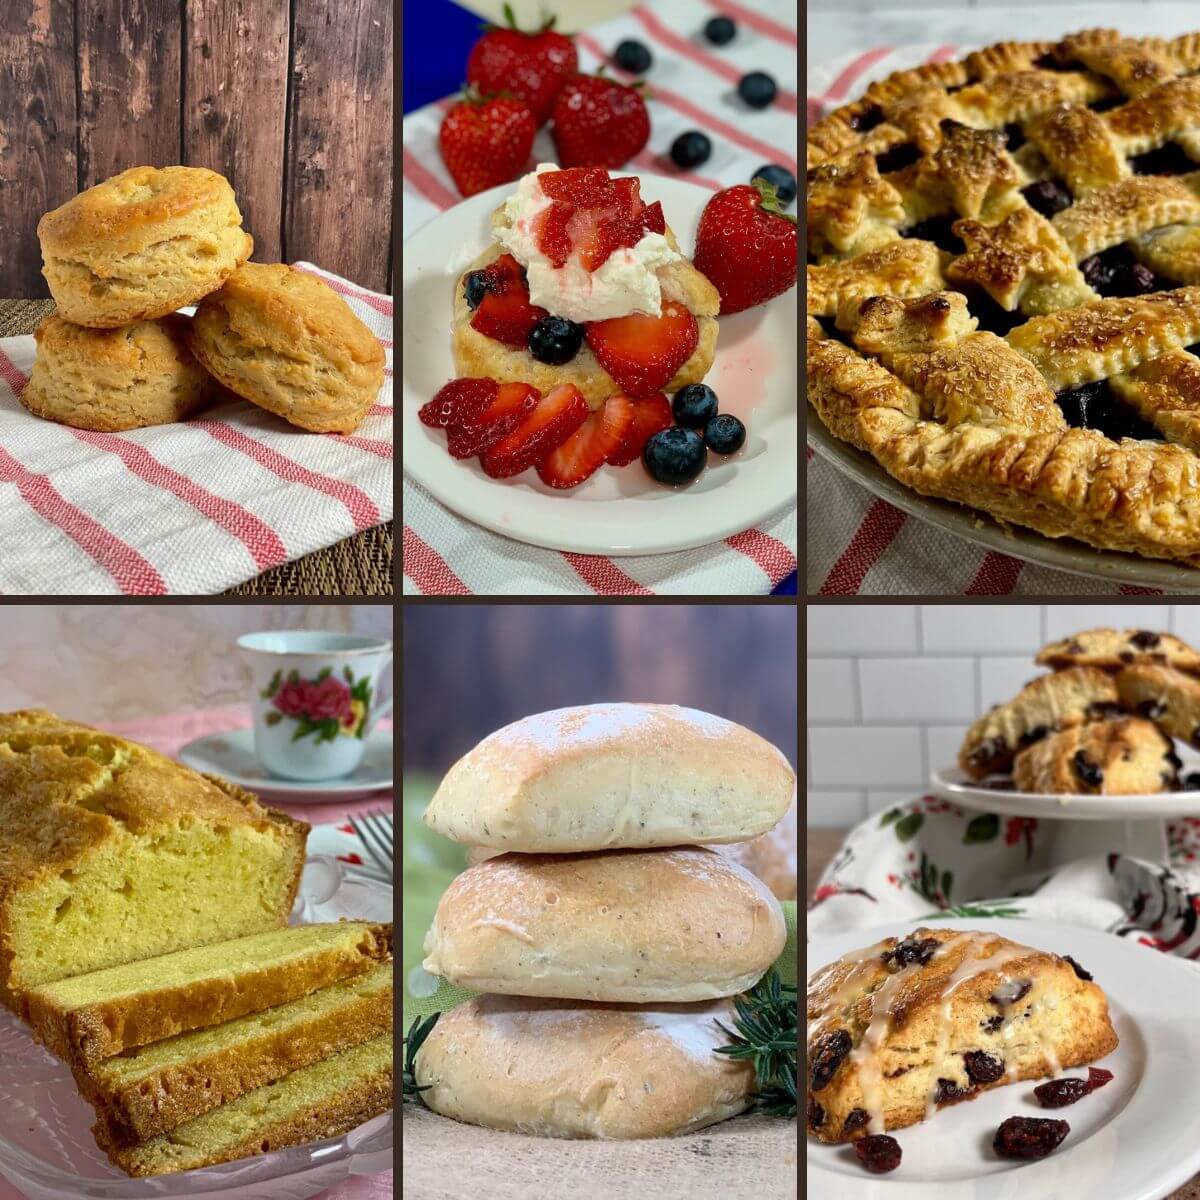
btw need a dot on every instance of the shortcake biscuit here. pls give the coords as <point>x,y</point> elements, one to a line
<point>287,342</point>
<point>142,244</point>
<point>113,379</point>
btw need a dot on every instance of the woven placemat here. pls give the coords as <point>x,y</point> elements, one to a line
<point>358,566</point>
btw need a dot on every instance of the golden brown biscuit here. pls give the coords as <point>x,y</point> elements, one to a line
<point>1124,757</point>
<point>142,244</point>
<point>114,379</point>
<point>289,343</point>
<point>480,357</point>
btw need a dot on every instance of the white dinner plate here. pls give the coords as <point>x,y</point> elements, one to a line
<point>1062,554</point>
<point>951,784</point>
<point>618,510</point>
<point>231,755</point>
<point>1137,1138</point>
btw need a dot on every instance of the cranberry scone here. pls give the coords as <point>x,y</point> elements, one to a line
<point>1169,698</point>
<point>903,1027</point>
<point>1048,702</point>
<point>1123,757</point>
<point>1112,649</point>
<point>1004,285</point>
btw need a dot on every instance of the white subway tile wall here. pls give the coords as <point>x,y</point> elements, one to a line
<point>892,688</point>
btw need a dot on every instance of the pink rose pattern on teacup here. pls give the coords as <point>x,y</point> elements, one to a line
<point>324,707</point>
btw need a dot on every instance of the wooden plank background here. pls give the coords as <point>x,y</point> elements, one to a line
<point>291,100</point>
<point>469,669</point>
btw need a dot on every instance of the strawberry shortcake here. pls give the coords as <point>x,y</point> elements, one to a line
<point>584,285</point>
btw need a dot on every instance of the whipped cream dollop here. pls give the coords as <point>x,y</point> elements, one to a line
<point>626,282</point>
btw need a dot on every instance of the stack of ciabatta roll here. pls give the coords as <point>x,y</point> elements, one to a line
<point>606,937</point>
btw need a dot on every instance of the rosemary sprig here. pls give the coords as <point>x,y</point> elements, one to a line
<point>417,1033</point>
<point>766,1033</point>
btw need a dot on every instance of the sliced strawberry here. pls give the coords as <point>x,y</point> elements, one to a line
<point>505,313</point>
<point>651,414</point>
<point>590,445</point>
<point>652,219</point>
<point>559,413</point>
<point>553,233</point>
<point>513,403</point>
<point>459,401</point>
<point>628,191</point>
<point>605,237</point>
<point>580,185</point>
<point>642,352</point>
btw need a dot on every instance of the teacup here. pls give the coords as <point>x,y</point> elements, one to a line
<point>314,700</point>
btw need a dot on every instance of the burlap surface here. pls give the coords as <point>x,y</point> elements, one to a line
<point>754,1158</point>
<point>358,566</point>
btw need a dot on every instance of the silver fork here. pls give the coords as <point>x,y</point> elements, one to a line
<point>374,830</point>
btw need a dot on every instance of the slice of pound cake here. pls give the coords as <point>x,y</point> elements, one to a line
<point>903,1027</point>
<point>110,852</point>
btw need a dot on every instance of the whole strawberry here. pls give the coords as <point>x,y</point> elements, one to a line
<point>530,66</point>
<point>746,246</point>
<point>599,122</point>
<point>486,141</point>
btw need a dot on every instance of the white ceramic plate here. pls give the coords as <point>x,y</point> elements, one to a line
<point>951,784</point>
<point>1062,554</point>
<point>1137,1138</point>
<point>231,755</point>
<point>619,510</point>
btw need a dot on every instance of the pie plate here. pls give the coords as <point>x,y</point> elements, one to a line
<point>618,510</point>
<point>1137,1138</point>
<point>1062,554</point>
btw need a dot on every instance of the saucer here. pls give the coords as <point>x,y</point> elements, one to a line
<point>231,755</point>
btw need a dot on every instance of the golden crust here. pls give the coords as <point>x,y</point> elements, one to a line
<point>142,244</point>
<point>1113,649</point>
<point>1123,757</point>
<point>890,1040</point>
<point>113,379</point>
<point>286,341</point>
<point>481,357</point>
<point>1169,698</point>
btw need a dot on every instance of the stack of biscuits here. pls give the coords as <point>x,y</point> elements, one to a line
<point>605,937</point>
<point>123,256</point>
<point>1103,722</point>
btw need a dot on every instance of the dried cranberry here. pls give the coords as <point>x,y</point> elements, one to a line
<point>1028,1137</point>
<point>909,951</point>
<point>1089,772</point>
<point>1151,709</point>
<point>827,1056</point>
<point>1034,735</point>
<point>1144,640</point>
<point>992,1024</point>
<point>1101,710</point>
<point>856,1118</point>
<point>990,753</point>
<point>1098,1077</point>
<point>816,1114</point>
<point>1086,976</point>
<point>1058,1093</point>
<point>981,1067</point>
<point>948,1090</point>
<point>878,1153</point>
<point>1010,991</point>
<point>866,120</point>
<point>1195,739</point>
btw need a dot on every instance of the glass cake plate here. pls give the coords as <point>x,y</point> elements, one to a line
<point>46,1146</point>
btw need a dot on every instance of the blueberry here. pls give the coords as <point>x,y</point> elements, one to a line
<point>781,179</point>
<point>690,149</point>
<point>674,455</point>
<point>555,340</point>
<point>476,287</point>
<point>757,89</point>
<point>725,434</point>
<point>694,406</point>
<point>633,57</point>
<point>720,31</point>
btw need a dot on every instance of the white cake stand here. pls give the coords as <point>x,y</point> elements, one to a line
<point>1082,825</point>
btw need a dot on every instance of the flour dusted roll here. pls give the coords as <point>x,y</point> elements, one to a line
<point>607,776</point>
<point>636,926</point>
<point>561,1069</point>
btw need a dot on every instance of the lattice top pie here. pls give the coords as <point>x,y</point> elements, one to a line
<point>1004,284</point>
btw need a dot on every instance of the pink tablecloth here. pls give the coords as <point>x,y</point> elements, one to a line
<point>167,734</point>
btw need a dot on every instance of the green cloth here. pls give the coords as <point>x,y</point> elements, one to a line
<point>431,862</point>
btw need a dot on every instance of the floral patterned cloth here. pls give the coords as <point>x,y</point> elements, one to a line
<point>930,858</point>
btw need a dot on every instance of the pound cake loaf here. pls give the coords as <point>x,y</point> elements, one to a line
<point>323,1100</point>
<point>144,1092</point>
<point>903,1027</point>
<point>87,1018</point>
<point>110,852</point>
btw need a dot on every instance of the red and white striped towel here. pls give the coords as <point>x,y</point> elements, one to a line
<point>689,82</point>
<point>184,509</point>
<point>859,545</point>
